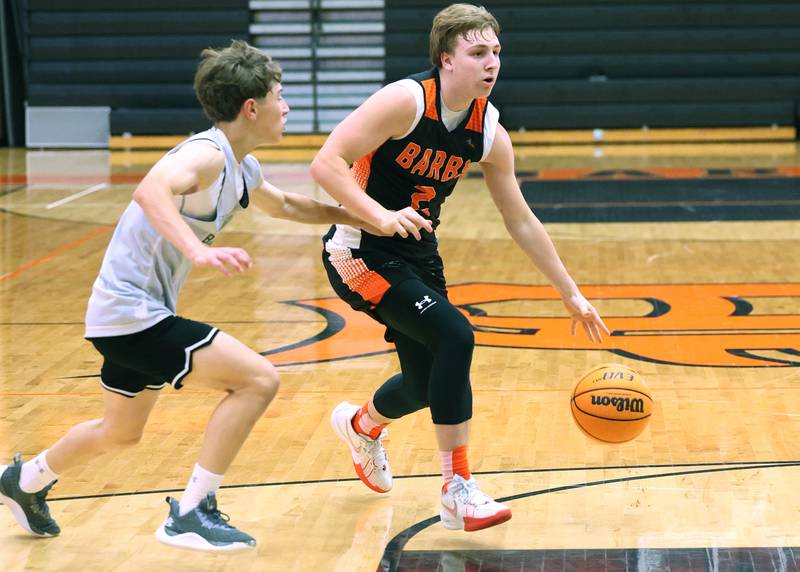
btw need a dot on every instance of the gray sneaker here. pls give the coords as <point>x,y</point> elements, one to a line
<point>202,528</point>
<point>30,509</point>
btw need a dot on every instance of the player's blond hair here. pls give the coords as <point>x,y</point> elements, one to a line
<point>457,20</point>
<point>226,78</point>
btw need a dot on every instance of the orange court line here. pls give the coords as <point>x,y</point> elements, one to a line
<point>67,247</point>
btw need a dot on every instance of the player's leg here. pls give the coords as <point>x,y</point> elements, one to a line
<point>428,317</point>
<point>123,422</point>
<point>24,486</point>
<point>250,382</point>
<point>407,391</point>
<point>363,428</point>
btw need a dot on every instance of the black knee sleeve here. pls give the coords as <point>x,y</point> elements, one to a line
<point>396,398</point>
<point>443,336</point>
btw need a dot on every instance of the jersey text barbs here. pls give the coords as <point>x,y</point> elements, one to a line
<point>431,163</point>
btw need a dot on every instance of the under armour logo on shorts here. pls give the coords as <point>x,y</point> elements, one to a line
<point>424,304</point>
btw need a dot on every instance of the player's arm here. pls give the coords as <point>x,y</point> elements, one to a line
<point>300,208</point>
<point>386,114</point>
<point>529,233</point>
<point>193,167</point>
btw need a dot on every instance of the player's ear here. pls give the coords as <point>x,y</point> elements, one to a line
<point>249,108</point>
<point>447,61</point>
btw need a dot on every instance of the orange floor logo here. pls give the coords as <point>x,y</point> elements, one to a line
<point>689,324</point>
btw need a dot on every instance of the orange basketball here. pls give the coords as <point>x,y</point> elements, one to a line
<point>612,403</point>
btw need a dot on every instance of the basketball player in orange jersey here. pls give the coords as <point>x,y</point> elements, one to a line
<point>408,145</point>
<point>177,210</point>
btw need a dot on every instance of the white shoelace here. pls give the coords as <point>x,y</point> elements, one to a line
<point>468,492</point>
<point>376,451</point>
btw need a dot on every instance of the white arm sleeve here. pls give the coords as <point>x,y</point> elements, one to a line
<point>490,121</point>
<point>419,95</point>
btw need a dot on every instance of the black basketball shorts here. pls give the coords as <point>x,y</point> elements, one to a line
<point>152,358</point>
<point>361,277</point>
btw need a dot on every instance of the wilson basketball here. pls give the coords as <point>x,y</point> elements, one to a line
<point>612,403</point>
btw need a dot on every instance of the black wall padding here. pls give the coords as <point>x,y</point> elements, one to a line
<point>617,63</point>
<point>626,115</point>
<point>171,22</point>
<point>157,121</point>
<point>112,49</point>
<point>114,72</point>
<point>133,5</point>
<point>136,56</point>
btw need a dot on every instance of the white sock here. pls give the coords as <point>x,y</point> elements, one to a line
<point>36,474</point>
<point>200,484</point>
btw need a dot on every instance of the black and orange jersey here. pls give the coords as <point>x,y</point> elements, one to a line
<point>421,169</point>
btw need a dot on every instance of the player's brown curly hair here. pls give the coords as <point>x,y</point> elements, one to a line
<point>454,21</point>
<point>228,77</point>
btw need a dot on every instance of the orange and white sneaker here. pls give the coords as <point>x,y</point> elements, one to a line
<point>465,507</point>
<point>369,456</point>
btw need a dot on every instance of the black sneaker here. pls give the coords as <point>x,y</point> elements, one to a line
<point>30,509</point>
<point>202,528</point>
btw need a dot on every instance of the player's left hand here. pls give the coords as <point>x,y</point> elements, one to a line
<point>584,313</point>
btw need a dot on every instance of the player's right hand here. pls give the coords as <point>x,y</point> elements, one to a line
<point>404,222</point>
<point>222,258</point>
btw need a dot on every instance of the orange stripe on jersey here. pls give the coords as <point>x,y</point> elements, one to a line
<point>475,122</point>
<point>361,170</point>
<point>429,85</point>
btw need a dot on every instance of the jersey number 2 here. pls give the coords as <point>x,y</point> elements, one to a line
<point>424,193</point>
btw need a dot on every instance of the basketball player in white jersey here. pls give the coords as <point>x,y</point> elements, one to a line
<point>408,145</point>
<point>179,207</point>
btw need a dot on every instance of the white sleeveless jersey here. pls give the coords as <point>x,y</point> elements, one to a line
<point>142,272</point>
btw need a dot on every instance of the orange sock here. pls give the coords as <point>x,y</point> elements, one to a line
<point>454,463</point>
<point>363,423</point>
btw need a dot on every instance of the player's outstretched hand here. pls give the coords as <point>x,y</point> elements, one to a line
<point>584,313</point>
<point>222,258</point>
<point>404,222</point>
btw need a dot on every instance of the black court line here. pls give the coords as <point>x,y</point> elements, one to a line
<point>662,200</point>
<point>52,219</point>
<point>393,552</point>
<point>734,464</point>
<point>6,192</point>
<point>709,559</point>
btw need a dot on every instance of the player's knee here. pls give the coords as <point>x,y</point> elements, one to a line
<point>116,438</point>
<point>417,395</point>
<point>265,383</point>
<point>457,336</point>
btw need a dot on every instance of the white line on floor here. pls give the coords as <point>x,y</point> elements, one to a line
<point>83,193</point>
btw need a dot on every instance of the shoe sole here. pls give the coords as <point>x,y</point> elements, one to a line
<point>19,516</point>
<point>473,525</point>
<point>341,432</point>
<point>193,541</point>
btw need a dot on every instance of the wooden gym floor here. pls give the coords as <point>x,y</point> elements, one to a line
<point>690,251</point>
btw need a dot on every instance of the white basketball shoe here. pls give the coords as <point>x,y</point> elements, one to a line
<point>465,507</point>
<point>369,456</point>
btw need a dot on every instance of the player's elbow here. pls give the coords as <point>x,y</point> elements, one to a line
<point>141,195</point>
<point>519,223</point>
<point>324,166</point>
<point>271,203</point>
<point>319,168</point>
